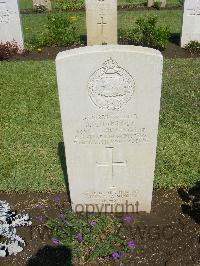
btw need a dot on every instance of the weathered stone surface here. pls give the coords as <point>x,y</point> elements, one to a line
<point>46,3</point>
<point>10,26</point>
<point>191,22</point>
<point>150,3</point>
<point>110,100</point>
<point>101,20</point>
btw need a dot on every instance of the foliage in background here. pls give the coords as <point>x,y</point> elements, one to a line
<point>193,47</point>
<point>181,2</point>
<point>147,33</point>
<point>61,30</point>
<point>89,240</point>
<point>8,49</point>
<point>69,5</point>
<point>36,25</point>
<point>27,4</point>
<point>157,5</point>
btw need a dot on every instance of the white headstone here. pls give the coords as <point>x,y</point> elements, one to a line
<point>46,3</point>
<point>191,22</point>
<point>101,20</point>
<point>151,3</point>
<point>110,101</point>
<point>10,25</point>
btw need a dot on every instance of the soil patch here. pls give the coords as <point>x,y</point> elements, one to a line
<point>173,50</point>
<point>164,237</point>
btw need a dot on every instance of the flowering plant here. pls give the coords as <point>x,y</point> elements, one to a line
<point>89,239</point>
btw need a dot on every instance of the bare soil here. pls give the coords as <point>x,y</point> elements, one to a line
<point>173,50</point>
<point>170,235</point>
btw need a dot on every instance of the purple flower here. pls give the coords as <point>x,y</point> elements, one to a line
<point>55,241</point>
<point>123,253</point>
<point>79,237</point>
<point>115,255</point>
<point>57,199</point>
<point>39,218</point>
<point>93,223</point>
<point>131,244</point>
<point>61,216</point>
<point>127,218</point>
<point>40,206</point>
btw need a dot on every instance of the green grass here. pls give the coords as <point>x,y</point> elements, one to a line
<point>26,4</point>
<point>31,127</point>
<point>36,24</point>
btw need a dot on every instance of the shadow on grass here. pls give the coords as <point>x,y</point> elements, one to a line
<point>51,256</point>
<point>61,154</point>
<point>175,38</point>
<point>191,199</point>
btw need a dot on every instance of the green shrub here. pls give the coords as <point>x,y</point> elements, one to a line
<point>37,41</point>
<point>62,29</point>
<point>181,2</point>
<point>88,240</point>
<point>147,33</point>
<point>64,5</point>
<point>193,47</point>
<point>157,5</point>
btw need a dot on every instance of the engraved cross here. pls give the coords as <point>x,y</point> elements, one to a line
<point>102,23</point>
<point>111,164</point>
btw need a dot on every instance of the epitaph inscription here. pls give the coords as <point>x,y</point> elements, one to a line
<point>111,87</point>
<point>111,196</point>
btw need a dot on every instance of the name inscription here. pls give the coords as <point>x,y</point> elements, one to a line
<point>194,10</point>
<point>103,129</point>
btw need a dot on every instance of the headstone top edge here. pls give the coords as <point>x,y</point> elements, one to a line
<point>108,48</point>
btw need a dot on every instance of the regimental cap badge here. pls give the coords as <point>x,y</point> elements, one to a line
<point>111,87</point>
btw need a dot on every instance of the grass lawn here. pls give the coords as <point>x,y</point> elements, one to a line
<point>31,126</point>
<point>36,24</point>
<point>24,4</point>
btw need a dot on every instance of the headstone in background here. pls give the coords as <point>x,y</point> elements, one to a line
<point>46,3</point>
<point>110,116</point>
<point>191,22</point>
<point>101,20</point>
<point>151,3</point>
<point>10,25</point>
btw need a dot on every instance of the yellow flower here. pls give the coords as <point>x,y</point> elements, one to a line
<point>27,28</point>
<point>39,50</point>
<point>74,18</point>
